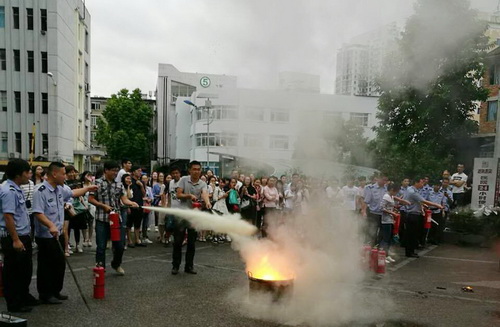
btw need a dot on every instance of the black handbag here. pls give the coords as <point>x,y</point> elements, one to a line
<point>7,319</point>
<point>79,221</point>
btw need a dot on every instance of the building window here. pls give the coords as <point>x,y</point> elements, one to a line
<point>93,121</point>
<point>45,68</point>
<point>217,139</point>
<point>5,142</point>
<point>31,62</point>
<point>45,103</point>
<point>253,141</point>
<point>254,114</point>
<point>29,15</point>
<point>2,16</point>
<point>279,142</point>
<point>92,136</point>
<point>3,59</point>
<point>17,61</point>
<point>18,142</point>
<point>224,112</point>
<point>3,100</point>
<point>280,116</point>
<point>86,41</point>
<point>95,106</point>
<point>359,119</point>
<point>43,19</point>
<point>228,139</point>
<point>17,100</point>
<point>31,102</point>
<point>15,16</point>
<point>30,144</point>
<point>492,111</point>
<point>45,143</point>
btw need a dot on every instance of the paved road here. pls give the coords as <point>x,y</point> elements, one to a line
<point>425,291</point>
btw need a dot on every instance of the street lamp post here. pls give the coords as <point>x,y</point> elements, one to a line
<point>208,105</point>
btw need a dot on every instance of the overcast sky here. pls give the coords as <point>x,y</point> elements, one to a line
<point>252,39</point>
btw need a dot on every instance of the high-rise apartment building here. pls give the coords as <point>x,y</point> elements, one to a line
<point>360,62</point>
<point>45,81</point>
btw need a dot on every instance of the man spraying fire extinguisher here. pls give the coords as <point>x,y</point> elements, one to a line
<point>107,199</point>
<point>192,192</point>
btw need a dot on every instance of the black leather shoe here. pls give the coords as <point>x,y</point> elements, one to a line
<point>31,301</point>
<point>50,300</point>
<point>24,309</point>
<point>175,271</point>
<point>61,297</point>
<point>190,271</point>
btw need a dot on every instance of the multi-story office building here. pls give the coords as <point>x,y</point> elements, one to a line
<point>360,61</point>
<point>45,80</point>
<point>259,125</point>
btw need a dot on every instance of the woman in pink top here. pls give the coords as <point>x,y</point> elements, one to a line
<point>271,198</point>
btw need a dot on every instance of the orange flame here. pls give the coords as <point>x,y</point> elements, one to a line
<point>266,271</point>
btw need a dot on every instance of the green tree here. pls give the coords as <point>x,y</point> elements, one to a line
<point>125,129</point>
<point>430,88</point>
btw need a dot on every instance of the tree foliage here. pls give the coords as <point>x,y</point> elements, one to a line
<point>125,128</point>
<point>430,88</point>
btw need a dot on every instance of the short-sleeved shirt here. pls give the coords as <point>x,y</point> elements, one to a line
<point>172,191</point>
<point>437,197</point>
<point>448,199</point>
<point>373,197</point>
<point>108,193</point>
<point>189,187</point>
<point>13,201</point>
<point>50,201</point>
<point>403,194</point>
<point>28,190</point>
<point>415,199</point>
<point>387,204</point>
<point>424,191</point>
<point>459,177</point>
<point>349,197</point>
<point>137,192</point>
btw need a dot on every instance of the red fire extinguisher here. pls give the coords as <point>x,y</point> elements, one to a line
<point>381,262</point>
<point>114,225</point>
<point>99,282</point>
<point>366,257</point>
<point>428,219</point>
<point>374,259</point>
<point>196,205</point>
<point>397,221</point>
<point>1,278</point>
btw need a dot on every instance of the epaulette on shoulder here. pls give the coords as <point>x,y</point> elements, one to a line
<point>12,188</point>
<point>369,186</point>
<point>41,188</point>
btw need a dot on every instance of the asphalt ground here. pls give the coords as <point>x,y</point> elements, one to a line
<point>425,291</point>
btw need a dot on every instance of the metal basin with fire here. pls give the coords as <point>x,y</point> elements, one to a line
<point>278,289</point>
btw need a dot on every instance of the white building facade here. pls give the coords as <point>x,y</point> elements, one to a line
<point>262,125</point>
<point>45,80</point>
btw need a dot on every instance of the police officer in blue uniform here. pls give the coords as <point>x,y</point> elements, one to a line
<point>49,201</point>
<point>373,199</point>
<point>15,229</point>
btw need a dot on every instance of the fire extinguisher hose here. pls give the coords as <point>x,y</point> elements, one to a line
<point>74,276</point>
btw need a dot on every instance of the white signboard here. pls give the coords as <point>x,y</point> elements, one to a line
<point>484,182</point>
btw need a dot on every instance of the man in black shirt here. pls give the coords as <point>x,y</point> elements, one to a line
<point>135,216</point>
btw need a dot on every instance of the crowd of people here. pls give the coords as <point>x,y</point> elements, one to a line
<point>43,208</point>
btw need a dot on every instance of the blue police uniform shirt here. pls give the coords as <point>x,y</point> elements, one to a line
<point>448,199</point>
<point>424,191</point>
<point>50,202</point>
<point>436,197</point>
<point>373,198</point>
<point>13,202</point>
<point>415,199</point>
<point>403,194</point>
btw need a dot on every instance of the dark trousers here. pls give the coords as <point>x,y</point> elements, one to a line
<point>17,270</point>
<point>373,222</point>
<point>401,231</point>
<point>102,234</point>
<point>51,266</point>
<point>179,232</point>
<point>436,232</point>
<point>458,199</point>
<point>386,237</point>
<point>413,225</point>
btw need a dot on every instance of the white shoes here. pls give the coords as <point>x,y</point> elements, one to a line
<point>389,259</point>
<point>79,249</point>
<point>147,241</point>
<point>119,271</point>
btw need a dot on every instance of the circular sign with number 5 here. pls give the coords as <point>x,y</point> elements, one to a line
<point>205,81</point>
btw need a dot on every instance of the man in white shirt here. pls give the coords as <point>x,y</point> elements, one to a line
<point>126,168</point>
<point>348,195</point>
<point>459,182</point>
